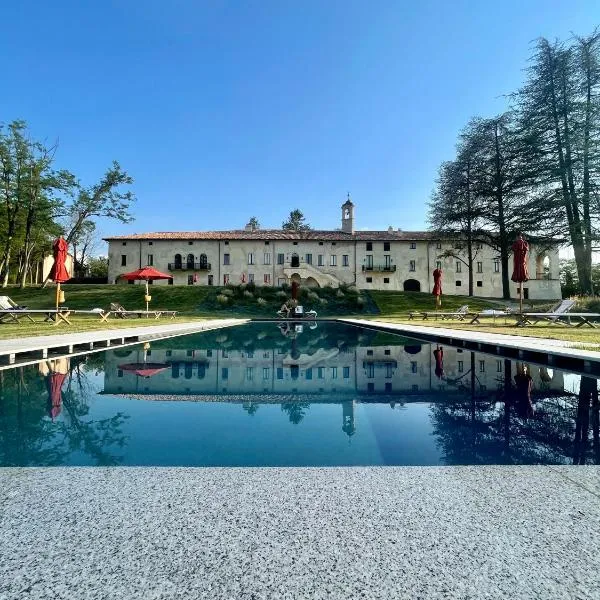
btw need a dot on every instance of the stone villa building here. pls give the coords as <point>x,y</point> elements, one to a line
<point>382,260</point>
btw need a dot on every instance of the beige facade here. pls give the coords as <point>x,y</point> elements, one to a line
<point>383,260</point>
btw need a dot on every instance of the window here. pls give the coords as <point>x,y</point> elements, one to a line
<point>458,283</point>
<point>320,243</point>
<point>320,260</point>
<point>438,246</point>
<point>458,267</point>
<point>250,258</point>
<point>280,258</point>
<point>190,243</point>
<point>388,386</point>
<point>225,373</point>
<point>346,373</point>
<point>170,281</point>
<point>496,266</point>
<point>369,262</point>
<point>333,372</point>
<point>413,245</point>
<point>150,262</point>
<point>227,243</point>
<point>480,284</point>
<point>250,373</point>
<point>413,366</point>
<point>386,246</point>
<point>482,366</point>
<point>369,280</point>
<point>308,374</point>
<point>499,366</point>
<point>295,243</point>
<point>279,373</point>
<point>226,279</point>
<point>461,366</point>
<point>438,264</point>
<point>266,373</point>
<point>226,259</point>
<point>480,267</point>
<point>150,243</point>
<point>267,279</point>
<point>190,280</point>
<point>479,246</point>
<point>320,372</point>
<point>345,260</point>
<point>386,280</point>
<point>333,243</point>
<point>267,258</point>
<point>124,243</point>
<point>308,259</point>
<point>333,260</point>
<point>123,260</point>
<point>369,246</point>
<point>387,352</point>
<point>370,387</point>
<point>120,373</point>
<point>412,265</point>
<point>250,277</point>
<point>150,282</point>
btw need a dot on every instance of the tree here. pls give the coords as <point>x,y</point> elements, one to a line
<point>98,266</point>
<point>253,223</point>
<point>295,222</point>
<point>560,103</point>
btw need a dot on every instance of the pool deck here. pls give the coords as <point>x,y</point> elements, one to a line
<point>520,346</point>
<point>381,532</point>
<point>26,350</point>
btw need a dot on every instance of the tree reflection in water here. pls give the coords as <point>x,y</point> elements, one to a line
<point>296,411</point>
<point>517,425</point>
<point>29,437</point>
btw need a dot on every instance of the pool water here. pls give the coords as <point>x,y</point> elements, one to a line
<point>268,394</point>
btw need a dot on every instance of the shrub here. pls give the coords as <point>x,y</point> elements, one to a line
<point>281,294</point>
<point>222,299</point>
<point>340,294</point>
<point>251,287</point>
<point>323,301</point>
<point>313,296</point>
<point>248,294</point>
<point>261,301</point>
<point>226,292</point>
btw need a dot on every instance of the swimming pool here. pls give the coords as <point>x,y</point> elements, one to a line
<point>306,394</point>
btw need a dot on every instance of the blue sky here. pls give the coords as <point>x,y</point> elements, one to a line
<point>224,110</point>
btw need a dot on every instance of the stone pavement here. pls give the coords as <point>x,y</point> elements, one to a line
<point>383,532</point>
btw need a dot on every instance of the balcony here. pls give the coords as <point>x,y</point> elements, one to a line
<point>197,266</point>
<point>379,268</point>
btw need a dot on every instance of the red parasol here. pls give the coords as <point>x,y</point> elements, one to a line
<point>438,354</point>
<point>520,271</point>
<point>146,274</point>
<point>144,369</point>
<point>54,382</point>
<point>437,285</point>
<point>59,273</point>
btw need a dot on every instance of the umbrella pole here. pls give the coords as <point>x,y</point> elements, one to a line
<point>57,299</point>
<point>521,297</point>
<point>147,299</point>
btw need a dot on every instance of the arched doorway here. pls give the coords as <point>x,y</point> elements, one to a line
<point>203,261</point>
<point>190,261</point>
<point>542,266</point>
<point>311,282</point>
<point>178,261</point>
<point>412,285</point>
<point>412,348</point>
<point>295,260</point>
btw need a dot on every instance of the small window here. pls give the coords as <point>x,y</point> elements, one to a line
<point>346,372</point>
<point>369,280</point>
<point>413,366</point>
<point>190,243</point>
<point>266,373</point>
<point>320,243</point>
<point>250,277</point>
<point>267,258</point>
<point>333,260</point>
<point>458,267</point>
<point>458,283</point>
<point>150,243</point>
<point>386,246</point>
<point>251,258</point>
<point>123,260</point>
<point>480,267</point>
<point>150,260</point>
<point>369,246</point>
<point>320,260</point>
<point>438,264</point>
<point>498,366</point>
<point>124,243</point>
<point>370,387</point>
<point>345,260</point>
<point>461,366</point>
<point>438,246</point>
<point>388,386</point>
<point>280,258</point>
<point>227,243</point>
<point>267,279</point>
<point>224,373</point>
<point>170,281</point>
<point>482,366</point>
<point>333,372</point>
<point>333,243</point>
<point>386,280</point>
<point>387,352</point>
<point>308,374</point>
<point>295,243</point>
<point>279,373</point>
<point>413,245</point>
<point>480,284</point>
<point>267,243</point>
<point>190,280</point>
<point>308,259</point>
<point>226,259</point>
<point>412,265</point>
<point>496,266</point>
<point>369,352</point>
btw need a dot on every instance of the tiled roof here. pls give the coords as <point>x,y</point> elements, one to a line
<point>280,234</point>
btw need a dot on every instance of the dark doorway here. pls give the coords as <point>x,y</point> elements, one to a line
<point>190,261</point>
<point>412,285</point>
<point>178,261</point>
<point>295,260</point>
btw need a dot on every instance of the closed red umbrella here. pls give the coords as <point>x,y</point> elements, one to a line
<point>438,354</point>
<point>59,273</point>
<point>146,274</point>
<point>55,381</point>
<point>520,271</point>
<point>437,286</point>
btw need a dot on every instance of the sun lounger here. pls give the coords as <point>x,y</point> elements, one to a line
<point>121,313</point>
<point>460,314</point>
<point>11,311</point>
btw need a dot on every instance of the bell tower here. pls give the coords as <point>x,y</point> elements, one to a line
<point>348,216</point>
